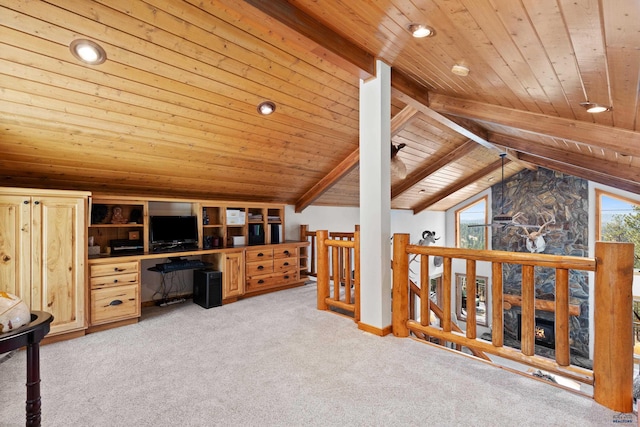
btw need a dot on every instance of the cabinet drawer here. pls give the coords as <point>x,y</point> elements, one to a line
<point>115,268</point>
<point>259,268</point>
<point>285,252</point>
<point>263,282</point>
<point>114,304</point>
<point>284,278</point>
<point>114,280</point>
<point>285,264</point>
<point>258,254</point>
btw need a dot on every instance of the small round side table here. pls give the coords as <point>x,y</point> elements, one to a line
<point>30,336</point>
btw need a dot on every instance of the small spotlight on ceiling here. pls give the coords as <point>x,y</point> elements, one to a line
<point>88,51</point>
<point>594,108</point>
<point>460,70</point>
<point>420,30</point>
<point>267,107</point>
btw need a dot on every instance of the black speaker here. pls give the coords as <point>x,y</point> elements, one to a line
<point>207,288</point>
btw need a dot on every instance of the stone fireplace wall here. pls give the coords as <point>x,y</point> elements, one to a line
<point>566,197</point>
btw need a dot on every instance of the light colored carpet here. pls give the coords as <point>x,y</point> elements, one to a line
<point>274,360</point>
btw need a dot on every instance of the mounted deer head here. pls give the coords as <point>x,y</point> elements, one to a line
<point>535,239</point>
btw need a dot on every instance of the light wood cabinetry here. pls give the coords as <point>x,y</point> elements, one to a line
<point>233,275</point>
<point>253,224</point>
<point>115,292</point>
<point>123,220</point>
<point>43,252</point>
<point>271,266</point>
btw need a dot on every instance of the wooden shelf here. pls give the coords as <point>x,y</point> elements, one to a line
<point>116,225</point>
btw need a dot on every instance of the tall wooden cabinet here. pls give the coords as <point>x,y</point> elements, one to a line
<point>43,252</point>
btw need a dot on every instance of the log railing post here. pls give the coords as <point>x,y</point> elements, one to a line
<point>323,269</point>
<point>400,302</point>
<point>613,344</point>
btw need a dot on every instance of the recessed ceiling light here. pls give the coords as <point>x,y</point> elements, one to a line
<point>594,108</point>
<point>460,70</point>
<point>88,51</point>
<point>420,30</point>
<point>267,107</point>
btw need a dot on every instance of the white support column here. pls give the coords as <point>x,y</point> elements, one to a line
<point>375,200</point>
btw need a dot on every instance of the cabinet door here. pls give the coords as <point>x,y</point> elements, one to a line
<point>233,275</point>
<point>57,260</point>
<point>15,246</point>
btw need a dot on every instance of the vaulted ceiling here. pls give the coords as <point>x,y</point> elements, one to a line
<point>173,110</point>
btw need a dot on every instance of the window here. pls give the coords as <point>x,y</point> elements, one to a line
<point>618,220</point>
<point>471,232</point>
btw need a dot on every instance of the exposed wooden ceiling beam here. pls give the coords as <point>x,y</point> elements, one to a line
<point>589,165</point>
<point>420,174</point>
<point>398,122</point>
<point>343,168</point>
<point>617,139</point>
<point>331,45</point>
<point>403,118</point>
<point>580,172</point>
<point>458,185</point>
<point>417,101</point>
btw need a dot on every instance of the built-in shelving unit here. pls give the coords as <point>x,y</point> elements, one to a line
<point>117,219</point>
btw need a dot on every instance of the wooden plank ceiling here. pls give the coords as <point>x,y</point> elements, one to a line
<point>172,112</point>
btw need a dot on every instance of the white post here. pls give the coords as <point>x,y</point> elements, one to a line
<point>375,200</point>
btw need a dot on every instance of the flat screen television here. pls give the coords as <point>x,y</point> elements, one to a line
<point>173,230</point>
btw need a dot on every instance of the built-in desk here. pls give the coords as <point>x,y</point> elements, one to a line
<point>114,280</point>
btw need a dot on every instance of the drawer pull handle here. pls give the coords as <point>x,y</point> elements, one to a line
<point>6,258</point>
<point>115,302</point>
<point>260,254</point>
<point>260,281</point>
<point>118,269</point>
<point>286,263</point>
<point>260,267</point>
<point>115,281</point>
<point>286,252</point>
<point>36,202</point>
<point>286,277</point>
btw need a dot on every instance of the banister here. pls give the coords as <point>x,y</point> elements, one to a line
<point>612,373</point>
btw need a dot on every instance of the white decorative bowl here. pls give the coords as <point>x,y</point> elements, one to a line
<point>13,312</point>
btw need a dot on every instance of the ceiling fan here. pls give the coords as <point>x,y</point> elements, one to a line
<point>398,168</point>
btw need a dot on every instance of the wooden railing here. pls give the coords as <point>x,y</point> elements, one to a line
<point>343,249</point>
<point>612,373</point>
<point>309,236</point>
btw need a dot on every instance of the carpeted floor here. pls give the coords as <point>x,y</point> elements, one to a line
<point>274,360</point>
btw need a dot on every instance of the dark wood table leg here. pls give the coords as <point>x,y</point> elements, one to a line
<point>33,406</point>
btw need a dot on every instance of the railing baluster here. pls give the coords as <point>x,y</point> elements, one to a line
<point>425,312</point>
<point>336,272</point>
<point>497,314</point>
<point>346,252</point>
<point>528,311</point>
<point>446,298</point>
<point>562,317</point>
<point>471,299</point>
